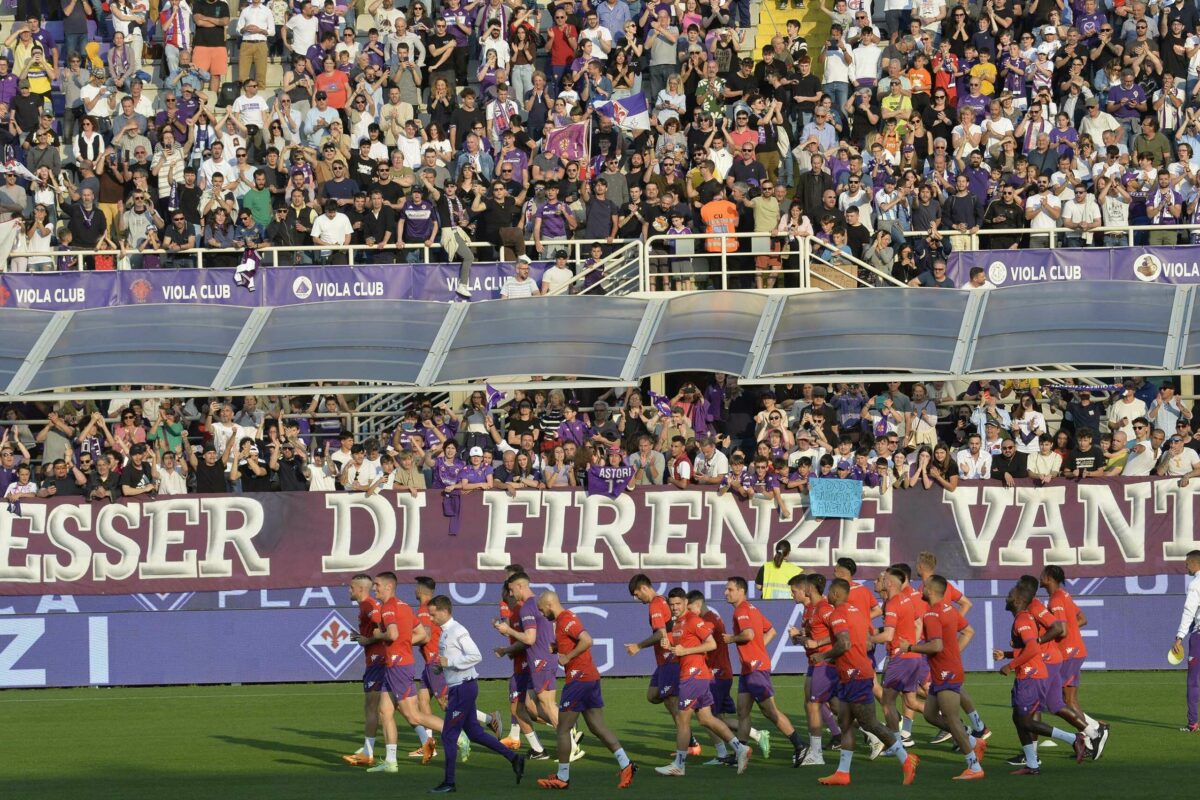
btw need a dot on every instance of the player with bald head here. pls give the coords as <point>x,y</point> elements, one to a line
<point>368,621</point>
<point>580,696</point>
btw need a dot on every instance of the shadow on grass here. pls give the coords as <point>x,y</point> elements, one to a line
<point>319,756</point>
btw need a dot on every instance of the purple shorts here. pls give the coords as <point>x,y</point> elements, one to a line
<point>1071,668</point>
<point>903,674</point>
<point>518,685</point>
<point>373,677</point>
<point>579,696</point>
<point>543,675</point>
<point>1052,694</point>
<point>757,684</point>
<point>923,672</point>
<point>822,683</point>
<point>399,681</point>
<point>722,693</point>
<point>666,679</point>
<point>434,682</point>
<point>948,686</point>
<point>695,694</point>
<point>859,692</point>
<point>1027,695</point>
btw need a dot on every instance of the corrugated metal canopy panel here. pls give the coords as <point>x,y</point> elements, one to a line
<point>345,340</point>
<point>705,331</point>
<point>175,345</point>
<point>1083,323</point>
<point>867,330</point>
<point>20,328</point>
<point>581,336</point>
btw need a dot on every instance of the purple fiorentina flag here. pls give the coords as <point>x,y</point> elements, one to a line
<point>661,403</point>
<point>569,142</point>
<point>494,396</point>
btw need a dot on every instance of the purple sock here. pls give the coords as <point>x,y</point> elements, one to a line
<point>830,720</point>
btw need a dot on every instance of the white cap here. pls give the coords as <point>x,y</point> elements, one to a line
<point>1049,30</point>
<point>476,451</point>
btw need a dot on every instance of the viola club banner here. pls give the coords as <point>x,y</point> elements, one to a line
<point>277,286</point>
<point>1113,527</point>
<point>1171,265</point>
<point>287,635</point>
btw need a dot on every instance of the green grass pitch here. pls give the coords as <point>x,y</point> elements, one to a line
<point>267,742</point>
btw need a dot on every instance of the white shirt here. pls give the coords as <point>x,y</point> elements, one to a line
<point>1043,220</point>
<point>1190,619</point>
<point>1127,411</point>
<point>460,652</point>
<point>596,36</point>
<point>223,433</point>
<point>500,48</point>
<point>260,16</point>
<point>319,480</point>
<point>1032,422</point>
<point>716,468</point>
<point>1139,465</point>
<point>1180,465</point>
<point>555,278</point>
<point>972,467</point>
<point>518,288</point>
<point>171,482</point>
<point>251,110</point>
<point>304,33</point>
<point>332,231</point>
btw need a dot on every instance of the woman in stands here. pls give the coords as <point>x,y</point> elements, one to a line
<point>558,473</point>
<point>219,234</point>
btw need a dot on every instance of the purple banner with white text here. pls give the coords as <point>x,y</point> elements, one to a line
<point>1170,265</point>
<point>292,635</point>
<point>277,286</point>
<point>1109,527</point>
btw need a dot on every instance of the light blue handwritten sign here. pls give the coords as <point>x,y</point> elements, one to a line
<point>835,497</point>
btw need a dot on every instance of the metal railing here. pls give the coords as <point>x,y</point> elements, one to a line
<point>1053,237</point>
<point>850,268</point>
<point>685,261</point>
<point>618,273</point>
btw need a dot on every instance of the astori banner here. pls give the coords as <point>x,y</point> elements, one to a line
<point>289,540</point>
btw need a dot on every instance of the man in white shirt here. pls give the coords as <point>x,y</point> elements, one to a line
<point>520,285</point>
<point>300,31</point>
<point>1126,409</point>
<point>171,480</point>
<point>255,25</point>
<point>319,477</point>
<point>457,658</point>
<point>974,463</point>
<point>1167,409</point>
<point>600,37</point>
<point>332,228</point>
<point>216,162</point>
<point>1179,461</point>
<point>1142,456</point>
<point>494,42</point>
<point>805,449</point>
<point>1189,629</point>
<point>1042,210</point>
<point>1080,214</point>
<point>710,465</point>
<point>226,429</point>
<point>558,276</point>
<point>252,109</point>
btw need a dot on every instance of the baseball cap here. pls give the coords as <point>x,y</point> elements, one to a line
<point>1092,103</point>
<point>99,72</point>
<point>819,391</point>
<point>803,434</point>
<point>23,83</point>
<point>476,451</point>
<point>1049,30</point>
<point>320,96</point>
<point>843,465</point>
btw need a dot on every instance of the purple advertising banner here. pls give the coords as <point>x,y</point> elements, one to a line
<point>1171,265</point>
<point>1111,527</point>
<point>303,634</point>
<point>277,286</point>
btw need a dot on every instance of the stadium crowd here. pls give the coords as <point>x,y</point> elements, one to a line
<point>203,125</point>
<point>751,441</point>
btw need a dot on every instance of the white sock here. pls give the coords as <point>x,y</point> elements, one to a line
<point>369,746</point>
<point>972,741</point>
<point>680,757</point>
<point>734,744</point>
<point>906,725</point>
<point>814,743</point>
<point>721,751</point>
<point>391,754</point>
<point>973,763</point>
<point>514,731</point>
<point>564,771</point>
<point>422,733</point>
<point>844,760</point>
<point>534,744</point>
<point>1031,759</point>
<point>1062,736</point>
<point>755,734</point>
<point>976,720</point>
<point>622,759</point>
<point>484,719</point>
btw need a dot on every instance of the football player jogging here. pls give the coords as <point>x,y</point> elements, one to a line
<point>399,630</point>
<point>863,599</point>
<point>1074,651</point>
<point>752,633</point>
<point>433,684</point>
<point>945,634</point>
<point>518,687</point>
<point>665,678</point>
<point>1028,668</point>
<point>689,639</point>
<point>722,685</point>
<point>850,626</point>
<point>821,679</point>
<point>537,634</point>
<point>457,659</point>
<point>368,621</point>
<point>580,696</point>
<point>905,670</point>
<point>1189,631</point>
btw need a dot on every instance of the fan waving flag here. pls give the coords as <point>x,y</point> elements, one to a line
<point>661,403</point>
<point>494,396</point>
<point>570,142</point>
<point>630,113</point>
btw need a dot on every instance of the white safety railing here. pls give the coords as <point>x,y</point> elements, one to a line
<point>1048,238</point>
<point>683,262</point>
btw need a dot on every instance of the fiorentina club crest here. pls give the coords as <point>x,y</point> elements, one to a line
<point>141,290</point>
<point>619,112</point>
<point>330,644</point>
